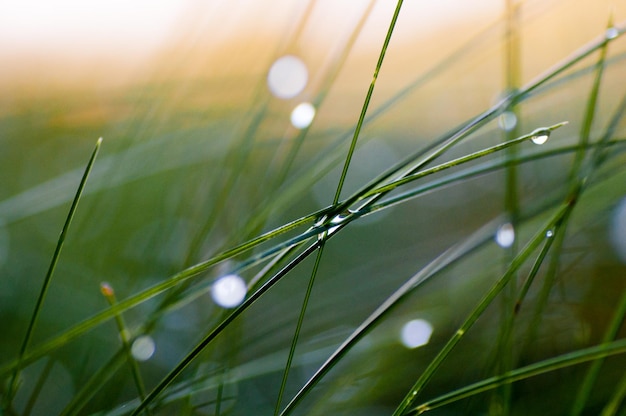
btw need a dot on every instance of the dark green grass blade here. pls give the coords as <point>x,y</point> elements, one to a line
<point>594,370</point>
<point>542,367</point>
<point>447,258</point>
<point>50,272</point>
<point>517,262</point>
<point>217,330</point>
<point>368,97</point>
<point>296,334</point>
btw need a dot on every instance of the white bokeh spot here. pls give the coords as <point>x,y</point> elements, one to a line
<point>143,348</point>
<point>617,231</point>
<point>416,333</point>
<point>302,116</point>
<point>229,291</point>
<point>505,236</point>
<point>287,77</point>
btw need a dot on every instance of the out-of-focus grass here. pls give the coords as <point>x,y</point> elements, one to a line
<point>194,165</point>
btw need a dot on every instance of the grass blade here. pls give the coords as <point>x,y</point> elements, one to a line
<point>49,273</point>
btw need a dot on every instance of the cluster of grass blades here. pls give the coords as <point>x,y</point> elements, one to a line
<point>484,356</point>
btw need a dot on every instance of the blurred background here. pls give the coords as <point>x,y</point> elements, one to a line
<point>203,150</point>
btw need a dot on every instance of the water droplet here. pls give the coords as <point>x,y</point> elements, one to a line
<point>617,231</point>
<point>549,233</point>
<point>229,291</point>
<point>143,348</point>
<point>507,121</point>
<point>611,33</point>
<point>416,333</point>
<point>338,219</point>
<point>540,137</point>
<point>302,116</point>
<point>505,236</point>
<point>287,77</point>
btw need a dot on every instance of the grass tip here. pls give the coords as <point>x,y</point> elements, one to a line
<point>107,290</point>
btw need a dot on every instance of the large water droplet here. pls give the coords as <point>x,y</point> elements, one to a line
<point>143,348</point>
<point>287,77</point>
<point>540,137</point>
<point>416,333</point>
<point>302,116</point>
<point>505,236</point>
<point>229,291</point>
<point>617,231</point>
<point>507,121</point>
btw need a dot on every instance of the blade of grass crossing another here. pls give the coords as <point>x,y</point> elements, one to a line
<point>517,262</point>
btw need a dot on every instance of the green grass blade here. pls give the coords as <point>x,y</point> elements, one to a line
<point>96,381</point>
<point>368,97</point>
<point>594,370</point>
<point>552,364</point>
<point>50,272</point>
<point>520,259</point>
<point>450,256</point>
<point>217,330</point>
<point>296,334</point>
<point>124,333</point>
<point>459,161</point>
<point>153,291</point>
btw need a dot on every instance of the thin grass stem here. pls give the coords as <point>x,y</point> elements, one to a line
<point>552,364</point>
<point>517,262</point>
<point>368,97</point>
<point>48,278</point>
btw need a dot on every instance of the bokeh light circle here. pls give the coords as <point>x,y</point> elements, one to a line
<point>287,77</point>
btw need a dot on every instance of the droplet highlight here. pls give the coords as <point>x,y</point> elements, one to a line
<point>416,333</point>
<point>507,121</point>
<point>540,137</point>
<point>505,236</point>
<point>302,116</point>
<point>229,291</point>
<point>143,348</point>
<point>287,77</point>
<point>611,33</point>
<point>549,234</point>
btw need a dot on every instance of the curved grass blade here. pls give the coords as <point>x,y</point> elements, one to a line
<point>461,160</point>
<point>49,273</point>
<point>552,364</point>
<point>519,259</point>
<point>444,260</point>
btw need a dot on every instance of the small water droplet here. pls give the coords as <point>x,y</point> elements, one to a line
<point>505,236</point>
<point>302,116</point>
<point>611,33</point>
<point>229,291</point>
<point>549,233</point>
<point>540,137</point>
<point>338,219</point>
<point>507,121</point>
<point>287,77</point>
<point>143,348</point>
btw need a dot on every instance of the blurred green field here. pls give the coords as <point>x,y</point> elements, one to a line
<point>198,157</point>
